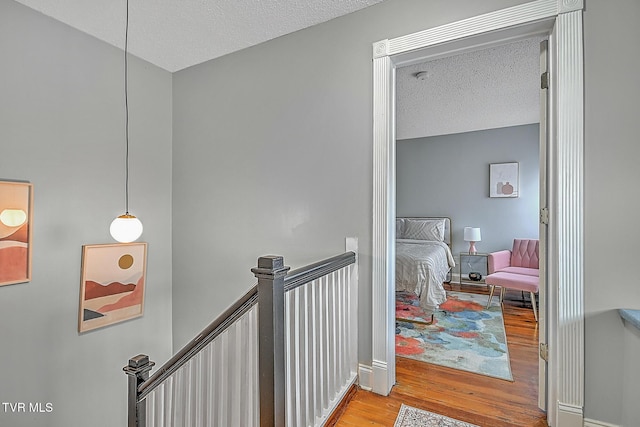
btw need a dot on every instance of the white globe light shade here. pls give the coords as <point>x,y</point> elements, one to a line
<point>126,228</point>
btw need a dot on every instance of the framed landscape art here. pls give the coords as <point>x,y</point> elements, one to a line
<point>503,180</point>
<point>112,286</point>
<point>16,229</point>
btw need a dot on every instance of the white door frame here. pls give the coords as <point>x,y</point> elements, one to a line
<point>545,126</point>
<point>562,19</point>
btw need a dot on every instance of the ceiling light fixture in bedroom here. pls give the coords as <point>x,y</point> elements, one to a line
<point>472,235</point>
<point>126,228</point>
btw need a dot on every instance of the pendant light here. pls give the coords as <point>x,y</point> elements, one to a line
<point>126,228</point>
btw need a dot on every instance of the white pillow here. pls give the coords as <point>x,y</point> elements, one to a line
<point>399,228</point>
<point>424,229</point>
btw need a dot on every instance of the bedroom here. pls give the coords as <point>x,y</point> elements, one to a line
<point>452,140</point>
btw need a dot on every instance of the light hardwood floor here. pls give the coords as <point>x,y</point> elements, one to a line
<point>476,399</point>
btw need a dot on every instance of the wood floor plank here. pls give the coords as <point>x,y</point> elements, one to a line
<point>474,398</point>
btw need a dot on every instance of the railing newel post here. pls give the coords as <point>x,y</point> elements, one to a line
<point>138,371</point>
<point>271,273</point>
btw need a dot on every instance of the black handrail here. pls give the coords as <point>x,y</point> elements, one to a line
<point>211,332</point>
<point>311,272</point>
<point>293,279</point>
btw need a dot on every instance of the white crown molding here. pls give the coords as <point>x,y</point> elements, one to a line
<point>501,19</point>
<point>565,6</point>
<point>380,49</point>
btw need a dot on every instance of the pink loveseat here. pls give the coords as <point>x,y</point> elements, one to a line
<point>515,269</point>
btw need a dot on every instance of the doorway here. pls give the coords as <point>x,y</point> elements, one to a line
<point>472,110</point>
<point>565,393</point>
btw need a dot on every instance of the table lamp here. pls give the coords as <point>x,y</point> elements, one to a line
<point>472,235</point>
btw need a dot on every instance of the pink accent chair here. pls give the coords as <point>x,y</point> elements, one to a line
<point>515,269</point>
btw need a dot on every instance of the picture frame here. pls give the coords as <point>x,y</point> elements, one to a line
<point>112,285</point>
<point>16,231</point>
<point>504,179</point>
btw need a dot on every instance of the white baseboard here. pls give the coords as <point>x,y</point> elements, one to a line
<point>364,377</point>
<point>594,423</point>
<point>569,415</point>
<point>381,382</point>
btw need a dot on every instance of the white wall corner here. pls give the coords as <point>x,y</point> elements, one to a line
<point>570,415</point>
<point>594,423</point>
<point>364,377</point>
<point>565,6</point>
<point>380,49</point>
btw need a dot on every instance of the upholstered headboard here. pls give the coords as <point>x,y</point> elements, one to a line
<point>447,226</point>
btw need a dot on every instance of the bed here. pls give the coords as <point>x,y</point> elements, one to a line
<point>424,259</point>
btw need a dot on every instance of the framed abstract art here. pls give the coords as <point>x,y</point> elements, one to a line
<point>16,230</point>
<point>503,180</point>
<point>112,286</point>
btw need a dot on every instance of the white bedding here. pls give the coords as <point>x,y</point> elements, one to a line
<point>422,267</point>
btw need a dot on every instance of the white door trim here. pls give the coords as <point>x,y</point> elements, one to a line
<point>565,186</point>
<point>545,125</point>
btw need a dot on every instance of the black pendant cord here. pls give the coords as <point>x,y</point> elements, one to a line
<point>126,108</point>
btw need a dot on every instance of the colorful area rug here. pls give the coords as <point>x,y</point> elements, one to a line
<point>464,335</point>
<point>414,417</point>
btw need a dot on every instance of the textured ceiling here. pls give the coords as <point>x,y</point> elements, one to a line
<point>176,34</point>
<point>485,89</point>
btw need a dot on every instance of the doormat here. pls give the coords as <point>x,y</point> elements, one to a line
<point>464,334</point>
<point>409,416</point>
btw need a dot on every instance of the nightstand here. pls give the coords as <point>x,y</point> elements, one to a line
<point>477,262</point>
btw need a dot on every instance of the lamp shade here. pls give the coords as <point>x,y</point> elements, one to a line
<point>126,228</point>
<point>472,234</point>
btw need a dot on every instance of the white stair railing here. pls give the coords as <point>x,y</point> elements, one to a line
<point>321,347</point>
<point>283,355</point>
<point>217,387</point>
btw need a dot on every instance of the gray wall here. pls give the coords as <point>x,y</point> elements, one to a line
<point>294,100</point>
<point>273,155</point>
<point>304,100</point>
<point>448,175</point>
<point>611,209</point>
<point>62,128</point>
